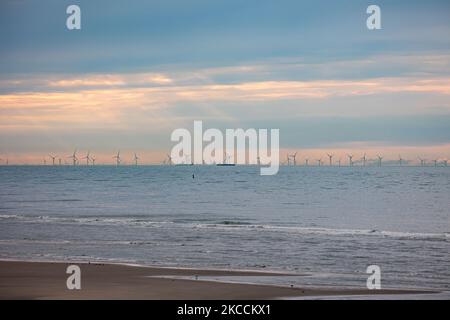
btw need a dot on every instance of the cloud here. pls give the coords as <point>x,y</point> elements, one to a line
<point>111,80</point>
<point>96,81</point>
<point>120,96</point>
<point>313,104</point>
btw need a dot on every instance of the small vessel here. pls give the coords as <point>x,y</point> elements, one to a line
<point>225,162</point>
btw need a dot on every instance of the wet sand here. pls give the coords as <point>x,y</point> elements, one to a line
<point>47,280</point>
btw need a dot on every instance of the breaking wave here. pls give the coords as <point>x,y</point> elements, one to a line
<point>228,225</point>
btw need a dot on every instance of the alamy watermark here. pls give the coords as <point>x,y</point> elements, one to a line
<point>73,21</point>
<point>374,280</point>
<point>373,22</point>
<point>74,280</point>
<point>241,146</point>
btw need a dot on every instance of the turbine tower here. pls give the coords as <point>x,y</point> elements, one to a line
<point>330,156</point>
<point>350,159</point>
<point>93,161</point>
<point>379,160</point>
<point>117,157</point>
<point>319,162</point>
<point>53,159</point>
<point>422,161</point>
<point>306,162</point>
<point>364,159</point>
<point>74,157</point>
<point>227,157</point>
<point>400,160</point>
<point>435,162</point>
<point>169,160</point>
<point>293,156</point>
<point>136,158</point>
<point>87,157</point>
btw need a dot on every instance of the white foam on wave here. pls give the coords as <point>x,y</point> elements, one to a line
<point>336,232</point>
<point>230,226</point>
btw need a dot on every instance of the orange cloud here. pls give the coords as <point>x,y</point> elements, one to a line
<point>111,80</point>
<point>118,105</point>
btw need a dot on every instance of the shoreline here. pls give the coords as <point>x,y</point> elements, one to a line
<point>47,280</point>
<point>256,272</point>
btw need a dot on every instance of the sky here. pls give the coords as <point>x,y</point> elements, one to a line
<point>138,70</point>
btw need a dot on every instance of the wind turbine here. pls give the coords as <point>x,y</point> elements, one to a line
<point>59,161</point>
<point>53,159</point>
<point>87,158</point>
<point>445,162</point>
<point>293,156</point>
<point>350,159</point>
<point>330,156</point>
<point>339,162</point>
<point>364,159</point>
<point>319,161</point>
<point>227,157</point>
<point>435,162</point>
<point>136,158</point>
<point>400,160</point>
<point>117,157</point>
<point>93,161</point>
<point>169,160</point>
<point>422,161</point>
<point>74,157</point>
<point>379,160</point>
<point>306,162</point>
<point>45,162</point>
<point>288,159</point>
<point>259,160</point>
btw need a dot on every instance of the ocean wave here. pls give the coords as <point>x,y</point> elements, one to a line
<point>229,225</point>
<point>77,242</point>
<point>83,220</point>
<point>336,232</point>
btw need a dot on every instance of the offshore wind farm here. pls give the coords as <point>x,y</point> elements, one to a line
<point>291,160</point>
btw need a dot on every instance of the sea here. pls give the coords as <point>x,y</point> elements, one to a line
<point>323,226</point>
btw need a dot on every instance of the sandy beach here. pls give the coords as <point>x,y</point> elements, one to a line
<point>47,280</point>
